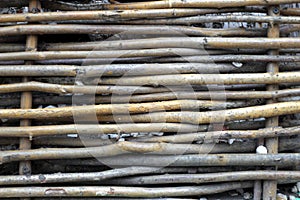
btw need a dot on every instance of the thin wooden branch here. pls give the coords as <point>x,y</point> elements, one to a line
<point>116,69</point>
<point>221,18</point>
<point>112,16</point>
<point>147,180</point>
<point>112,191</point>
<point>126,29</point>
<point>221,116</point>
<point>104,109</point>
<point>121,148</point>
<point>205,79</point>
<point>96,129</point>
<point>195,4</point>
<point>72,89</point>
<point>207,178</point>
<point>229,134</point>
<point>75,177</point>
<point>290,159</point>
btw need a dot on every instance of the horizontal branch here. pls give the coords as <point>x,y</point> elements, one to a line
<point>114,191</point>
<point>223,58</point>
<point>212,94</point>
<point>116,69</point>
<point>120,148</point>
<point>206,79</point>
<point>48,55</point>
<point>270,110</point>
<point>147,180</point>
<point>290,159</point>
<point>126,30</point>
<point>95,129</point>
<point>82,89</point>
<point>93,110</point>
<point>228,134</point>
<point>221,18</point>
<point>207,178</point>
<point>114,15</point>
<point>195,4</point>
<point>74,177</point>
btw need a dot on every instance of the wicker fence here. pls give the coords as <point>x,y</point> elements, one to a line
<point>178,99</point>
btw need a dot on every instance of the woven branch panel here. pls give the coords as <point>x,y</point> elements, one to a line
<point>174,100</point>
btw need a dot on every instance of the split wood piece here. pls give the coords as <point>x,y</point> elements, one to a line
<point>114,191</point>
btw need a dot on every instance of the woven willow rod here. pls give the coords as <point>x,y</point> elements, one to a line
<point>195,4</point>
<point>119,148</point>
<point>147,180</point>
<point>120,16</point>
<point>270,110</point>
<point>115,191</point>
<point>187,42</point>
<point>207,178</point>
<point>215,135</point>
<point>104,109</point>
<point>209,19</point>
<point>116,15</point>
<point>126,29</point>
<point>97,129</point>
<point>205,79</point>
<point>115,69</point>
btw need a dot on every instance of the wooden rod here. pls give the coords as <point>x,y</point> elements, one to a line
<point>223,18</point>
<point>220,116</point>
<point>99,191</point>
<point>115,174</point>
<point>26,97</point>
<point>205,79</point>
<point>206,178</point>
<point>270,187</point>
<point>126,30</point>
<point>117,15</point>
<point>86,129</point>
